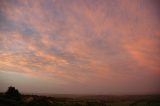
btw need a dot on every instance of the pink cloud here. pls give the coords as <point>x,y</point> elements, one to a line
<point>110,44</point>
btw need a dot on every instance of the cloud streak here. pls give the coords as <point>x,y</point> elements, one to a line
<point>110,44</point>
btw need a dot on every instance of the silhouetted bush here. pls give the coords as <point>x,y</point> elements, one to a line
<point>13,93</point>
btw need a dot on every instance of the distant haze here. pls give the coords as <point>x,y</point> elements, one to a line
<point>80,46</point>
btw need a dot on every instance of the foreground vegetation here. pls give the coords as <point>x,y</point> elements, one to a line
<point>13,98</point>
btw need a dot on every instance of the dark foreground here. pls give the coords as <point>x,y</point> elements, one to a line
<point>99,100</point>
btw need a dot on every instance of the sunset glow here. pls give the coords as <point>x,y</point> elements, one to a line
<point>80,46</point>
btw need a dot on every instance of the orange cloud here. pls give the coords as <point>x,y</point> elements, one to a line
<point>81,43</point>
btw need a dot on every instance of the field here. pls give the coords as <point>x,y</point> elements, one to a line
<point>83,100</point>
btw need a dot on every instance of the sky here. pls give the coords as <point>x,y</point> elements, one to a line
<point>80,46</point>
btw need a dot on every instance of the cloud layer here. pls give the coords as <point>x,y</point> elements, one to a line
<point>82,45</point>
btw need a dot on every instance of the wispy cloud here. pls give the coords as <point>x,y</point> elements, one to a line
<point>106,43</point>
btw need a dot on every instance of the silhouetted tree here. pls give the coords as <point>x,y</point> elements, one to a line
<point>13,93</point>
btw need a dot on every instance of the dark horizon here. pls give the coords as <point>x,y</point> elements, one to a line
<point>80,94</point>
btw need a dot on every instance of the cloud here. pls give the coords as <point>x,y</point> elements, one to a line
<point>113,42</point>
